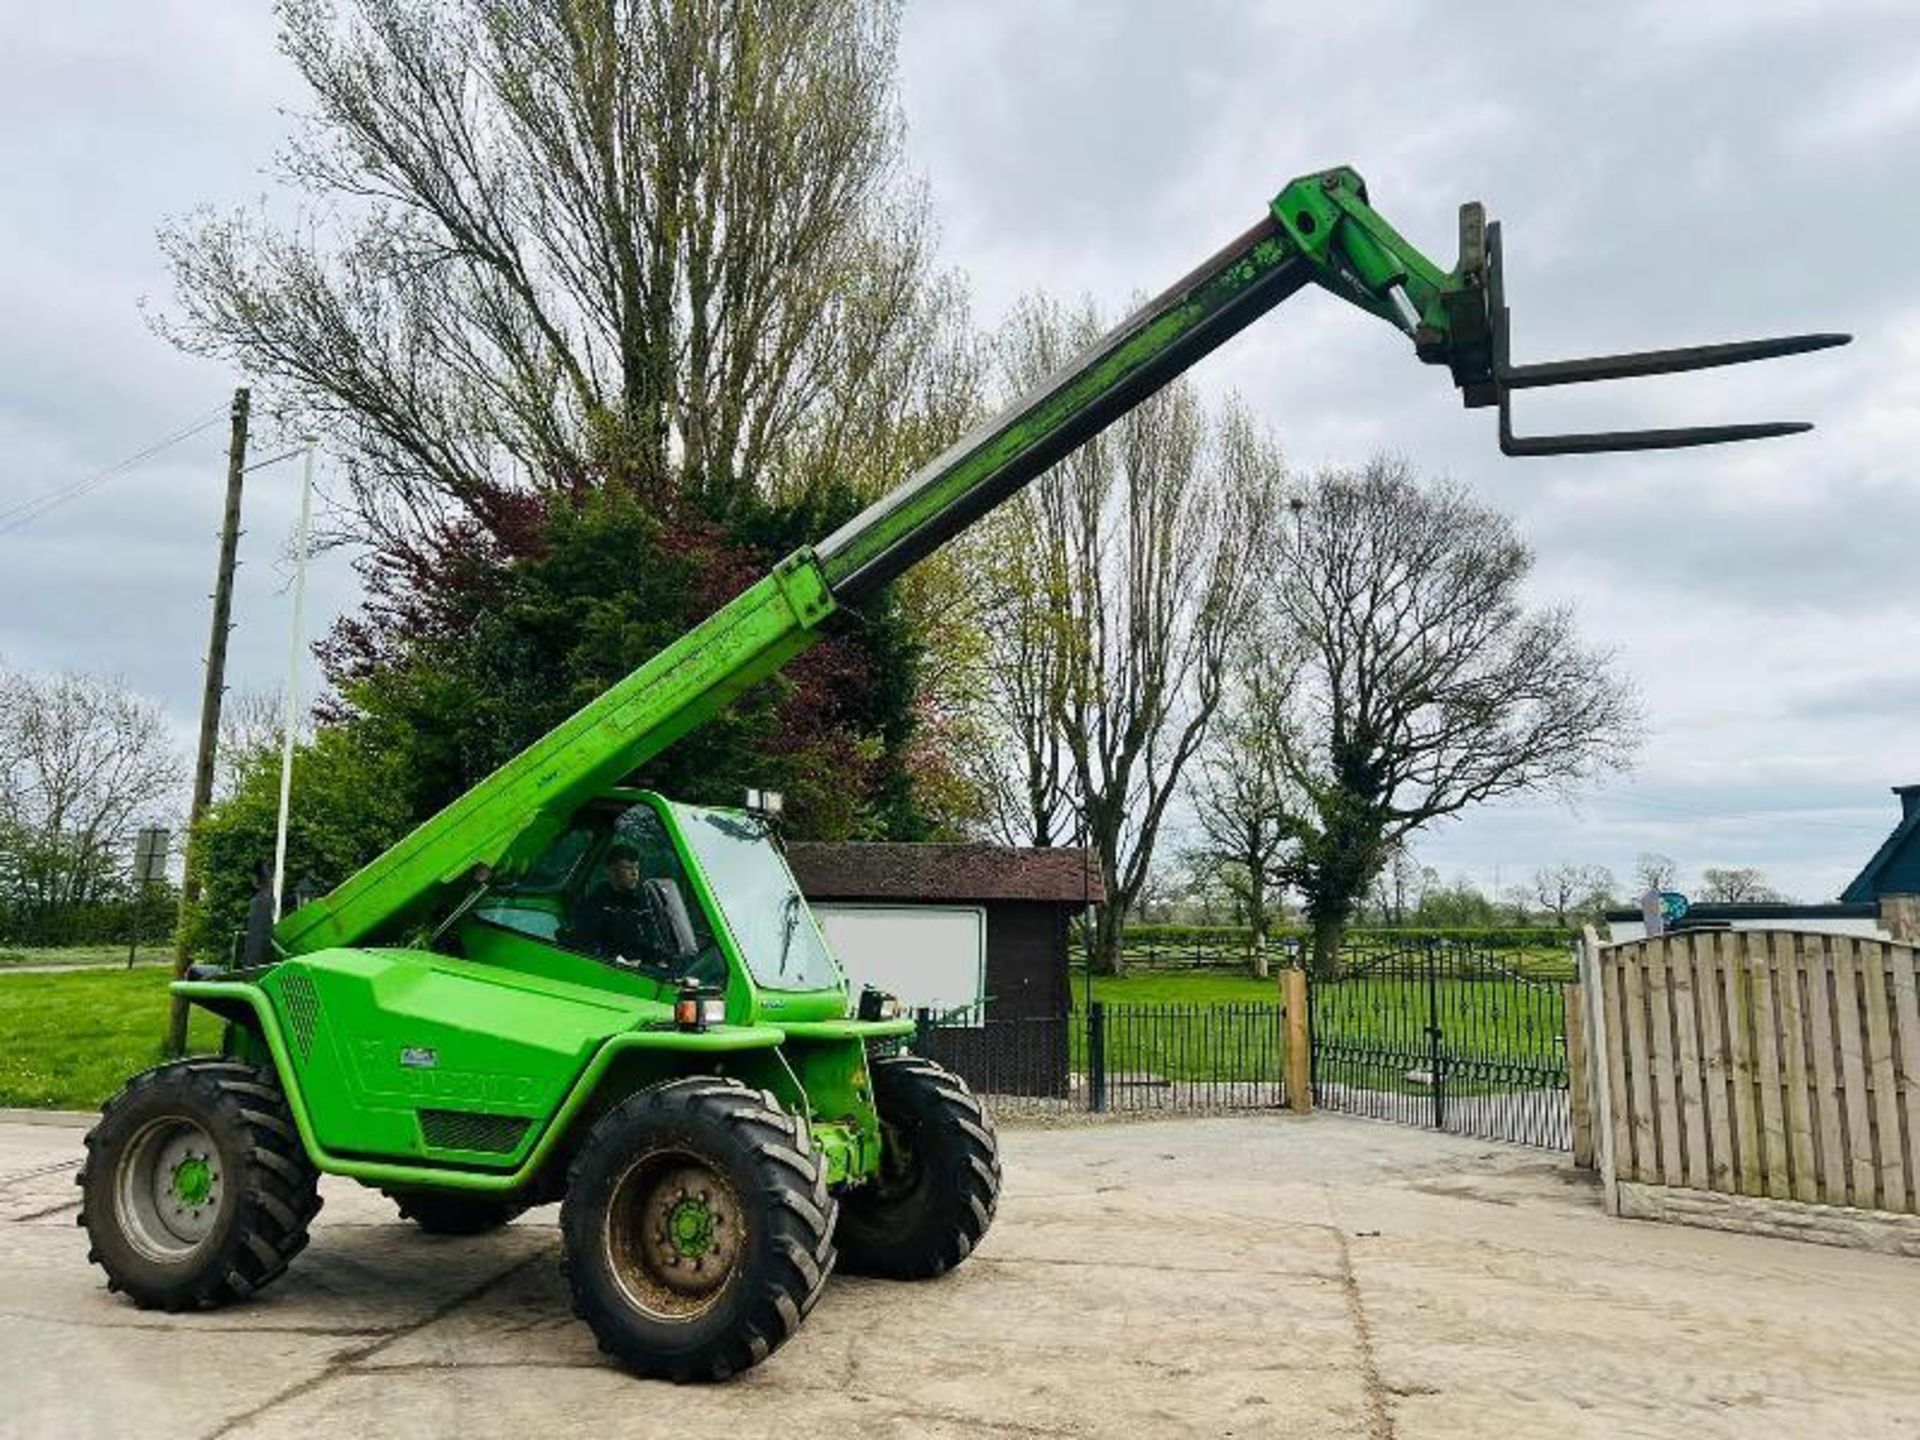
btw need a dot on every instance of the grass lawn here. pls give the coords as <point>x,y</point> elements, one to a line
<point>80,955</point>
<point>1199,987</point>
<point>67,1042</point>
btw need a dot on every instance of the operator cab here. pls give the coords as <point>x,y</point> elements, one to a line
<point>668,891</point>
<point>612,887</point>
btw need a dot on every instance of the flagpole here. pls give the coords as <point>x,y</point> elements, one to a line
<point>291,707</point>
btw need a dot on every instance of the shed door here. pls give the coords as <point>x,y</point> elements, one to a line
<point>931,956</point>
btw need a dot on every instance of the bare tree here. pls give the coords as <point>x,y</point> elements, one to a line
<point>82,764</point>
<point>1116,585</point>
<point>1019,760</point>
<point>1401,886</point>
<point>552,243</point>
<point>1654,871</point>
<point>1565,891</point>
<point>1427,686</point>
<point>250,730</point>
<point>1240,793</point>
<point>1737,885</point>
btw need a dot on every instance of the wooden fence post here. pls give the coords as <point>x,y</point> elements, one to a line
<point>1299,1045</point>
<point>1598,1041</point>
<point>1579,1092</point>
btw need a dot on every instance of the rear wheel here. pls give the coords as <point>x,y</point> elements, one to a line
<point>195,1190</point>
<point>698,1229</point>
<point>939,1180</point>
<point>448,1212</point>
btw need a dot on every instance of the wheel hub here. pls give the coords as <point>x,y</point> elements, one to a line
<point>169,1189</point>
<point>193,1180</point>
<point>678,1235</point>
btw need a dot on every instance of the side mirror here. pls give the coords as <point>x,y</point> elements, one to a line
<point>670,911</point>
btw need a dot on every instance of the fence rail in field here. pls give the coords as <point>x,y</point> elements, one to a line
<point>1142,1057</point>
<point>1540,953</point>
<point>1761,1063</point>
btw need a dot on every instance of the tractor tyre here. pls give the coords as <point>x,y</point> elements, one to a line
<point>196,1190</point>
<point>698,1229</point>
<point>939,1180</point>
<point>446,1212</point>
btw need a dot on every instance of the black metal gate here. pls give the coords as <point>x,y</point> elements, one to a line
<point>1446,1035</point>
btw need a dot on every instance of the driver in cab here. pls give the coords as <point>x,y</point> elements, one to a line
<point>613,921</point>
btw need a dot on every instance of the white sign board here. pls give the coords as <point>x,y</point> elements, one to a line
<point>933,957</point>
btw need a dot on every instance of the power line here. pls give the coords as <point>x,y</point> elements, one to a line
<point>18,516</point>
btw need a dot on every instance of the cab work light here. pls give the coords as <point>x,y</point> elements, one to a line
<point>696,1011</point>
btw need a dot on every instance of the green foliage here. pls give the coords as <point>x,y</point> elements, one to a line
<point>72,1040</point>
<point>518,648</point>
<point>507,651</point>
<point>1454,906</point>
<point>349,803</point>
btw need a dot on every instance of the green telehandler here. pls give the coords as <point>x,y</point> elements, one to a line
<point>558,988</point>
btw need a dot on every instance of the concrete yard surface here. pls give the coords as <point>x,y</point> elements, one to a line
<point>1259,1276</point>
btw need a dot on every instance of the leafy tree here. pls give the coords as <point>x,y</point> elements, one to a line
<point>350,802</point>
<point>513,652</point>
<point>1461,905</point>
<point>1427,684</point>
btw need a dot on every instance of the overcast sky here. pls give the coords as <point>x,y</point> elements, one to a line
<point>1666,174</point>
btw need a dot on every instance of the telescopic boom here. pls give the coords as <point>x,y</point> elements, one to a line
<point>1319,230</point>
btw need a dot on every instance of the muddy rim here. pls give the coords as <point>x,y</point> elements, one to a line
<point>675,1234</point>
<point>170,1189</point>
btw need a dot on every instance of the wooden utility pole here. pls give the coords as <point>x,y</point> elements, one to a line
<point>210,699</point>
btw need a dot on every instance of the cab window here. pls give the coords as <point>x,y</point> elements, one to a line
<point>613,888</point>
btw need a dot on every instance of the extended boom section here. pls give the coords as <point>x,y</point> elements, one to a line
<point>1320,230</point>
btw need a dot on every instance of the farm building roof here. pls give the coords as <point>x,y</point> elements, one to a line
<point>1895,866</point>
<point>882,871</point>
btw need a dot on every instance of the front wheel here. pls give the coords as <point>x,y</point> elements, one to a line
<point>939,1180</point>
<point>698,1229</point>
<point>195,1190</point>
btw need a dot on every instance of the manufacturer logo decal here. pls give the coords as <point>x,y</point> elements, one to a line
<point>418,1057</point>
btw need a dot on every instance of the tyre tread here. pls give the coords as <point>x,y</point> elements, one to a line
<point>278,1193</point>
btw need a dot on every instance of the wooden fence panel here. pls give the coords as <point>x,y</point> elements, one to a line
<point>1766,1072</point>
<point>1793,1043</point>
<point>1829,1140</point>
<point>1773,1064</point>
<point>1853,1073</point>
<point>1906,1020</point>
<point>1644,1161</point>
<point>1710,995</point>
<point>1748,1176</point>
<point>1666,1100</point>
<point>1684,997</point>
<point>1889,1174</point>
